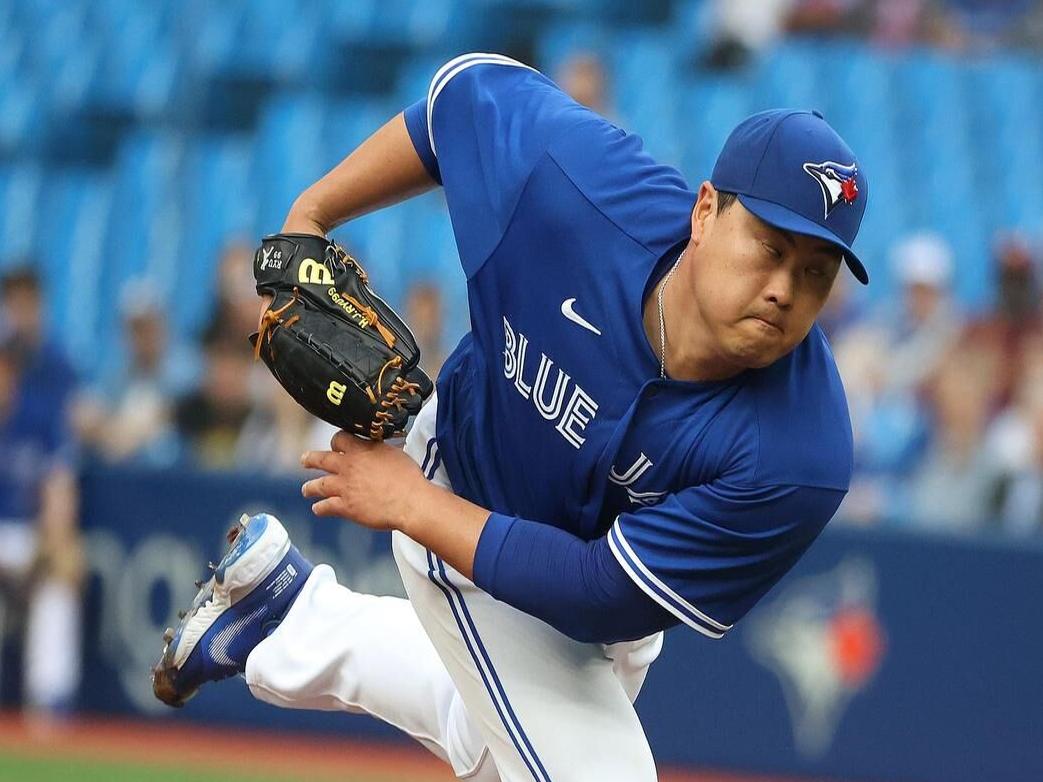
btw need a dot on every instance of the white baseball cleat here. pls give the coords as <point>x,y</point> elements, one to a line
<point>247,596</point>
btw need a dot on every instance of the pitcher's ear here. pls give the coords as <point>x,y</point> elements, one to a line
<point>705,209</point>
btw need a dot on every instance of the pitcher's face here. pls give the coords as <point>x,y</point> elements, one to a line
<point>758,288</point>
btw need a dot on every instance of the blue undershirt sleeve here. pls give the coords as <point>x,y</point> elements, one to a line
<point>575,586</point>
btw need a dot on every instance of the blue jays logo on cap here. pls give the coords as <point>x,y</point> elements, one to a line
<point>793,171</point>
<point>837,182</point>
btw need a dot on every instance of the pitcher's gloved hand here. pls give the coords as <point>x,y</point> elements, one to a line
<point>333,344</point>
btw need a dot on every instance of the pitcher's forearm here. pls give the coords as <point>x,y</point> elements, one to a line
<point>448,525</point>
<point>383,170</point>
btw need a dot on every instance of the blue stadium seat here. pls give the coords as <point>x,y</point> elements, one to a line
<point>433,24</point>
<point>562,40</point>
<point>218,207</point>
<point>267,95</point>
<point>974,284</point>
<point>434,260</point>
<point>1005,109</point>
<point>287,43</point>
<point>789,76</point>
<point>290,154</point>
<point>644,68</point>
<point>144,229</point>
<point>209,46</point>
<point>499,23</point>
<point>693,23</point>
<point>23,120</point>
<point>347,123</point>
<point>78,204</point>
<point>712,107</point>
<point>33,64</point>
<point>376,40</point>
<point>929,93</point>
<point>126,57</point>
<point>532,6</point>
<point>56,218</point>
<point>415,77</point>
<point>855,83</point>
<point>23,188</point>
<point>381,240</point>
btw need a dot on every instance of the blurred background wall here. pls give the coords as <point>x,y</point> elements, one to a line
<point>146,145</point>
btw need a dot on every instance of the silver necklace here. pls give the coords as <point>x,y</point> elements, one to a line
<point>662,324</point>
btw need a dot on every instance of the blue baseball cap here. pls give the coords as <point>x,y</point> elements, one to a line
<point>793,171</point>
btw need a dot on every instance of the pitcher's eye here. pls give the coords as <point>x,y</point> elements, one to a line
<point>772,250</point>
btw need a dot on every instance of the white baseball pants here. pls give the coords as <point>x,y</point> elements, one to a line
<point>493,691</point>
<point>53,623</point>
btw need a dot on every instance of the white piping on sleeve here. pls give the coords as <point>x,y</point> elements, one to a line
<point>452,68</point>
<point>658,591</point>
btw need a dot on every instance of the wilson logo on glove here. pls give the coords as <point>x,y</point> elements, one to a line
<point>335,393</point>
<point>342,331</point>
<point>314,273</point>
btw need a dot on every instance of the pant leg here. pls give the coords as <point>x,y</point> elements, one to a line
<point>338,650</point>
<point>459,671</point>
<point>52,645</point>
<point>549,708</point>
<point>17,547</point>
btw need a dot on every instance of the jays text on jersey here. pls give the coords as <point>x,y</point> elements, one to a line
<point>552,408</point>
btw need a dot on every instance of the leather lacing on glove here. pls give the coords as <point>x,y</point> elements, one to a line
<point>393,399</point>
<point>271,318</point>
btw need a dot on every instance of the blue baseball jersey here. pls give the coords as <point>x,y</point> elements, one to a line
<point>35,435</point>
<point>552,408</point>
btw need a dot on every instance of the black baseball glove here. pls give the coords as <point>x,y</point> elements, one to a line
<point>333,344</point>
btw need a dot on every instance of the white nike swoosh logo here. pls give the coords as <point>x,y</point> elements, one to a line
<point>220,643</point>
<point>568,312</point>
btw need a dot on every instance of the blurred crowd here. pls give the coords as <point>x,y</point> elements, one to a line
<point>41,556</point>
<point>744,27</point>
<point>947,408</point>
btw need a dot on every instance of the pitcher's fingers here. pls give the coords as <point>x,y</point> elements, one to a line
<point>320,460</point>
<point>331,506</point>
<point>319,487</point>
<point>342,441</point>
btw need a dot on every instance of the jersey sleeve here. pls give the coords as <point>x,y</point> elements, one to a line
<point>575,586</point>
<point>484,125</point>
<point>708,553</point>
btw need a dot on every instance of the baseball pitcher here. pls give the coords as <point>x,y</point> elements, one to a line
<point>643,428</point>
